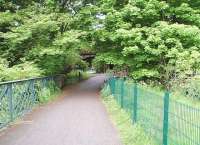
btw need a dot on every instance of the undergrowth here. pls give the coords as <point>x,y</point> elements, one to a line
<point>48,93</point>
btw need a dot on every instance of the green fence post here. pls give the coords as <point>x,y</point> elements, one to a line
<point>113,87</point>
<point>122,93</point>
<point>166,118</point>
<point>114,82</point>
<point>135,103</point>
<point>10,96</point>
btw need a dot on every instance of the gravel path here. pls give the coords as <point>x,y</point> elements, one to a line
<point>77,117</point>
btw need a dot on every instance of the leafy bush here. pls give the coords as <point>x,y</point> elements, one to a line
<point>45,95</point>
<point>48,93</point>
<point>73,76</point>
<point>20,71</point>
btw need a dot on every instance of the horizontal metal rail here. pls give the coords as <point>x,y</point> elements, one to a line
<point>29,79</point>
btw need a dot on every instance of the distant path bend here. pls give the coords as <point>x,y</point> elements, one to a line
<point>76,118</point>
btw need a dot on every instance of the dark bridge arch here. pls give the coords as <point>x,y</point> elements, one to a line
<point>88,57</point>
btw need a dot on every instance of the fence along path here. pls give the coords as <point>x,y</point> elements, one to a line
<point>19,97</point>
<point>166,121</point>
<point>77,117</point>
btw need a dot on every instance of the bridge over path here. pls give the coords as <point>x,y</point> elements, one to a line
<point>77,117</point>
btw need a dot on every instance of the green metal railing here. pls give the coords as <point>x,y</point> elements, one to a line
<point>166,121</point>
<point>18,97</point>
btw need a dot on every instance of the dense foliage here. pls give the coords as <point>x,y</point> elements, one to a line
<point>37,39</point>
<point>155,40</point>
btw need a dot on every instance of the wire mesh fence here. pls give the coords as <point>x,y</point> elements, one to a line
<point>165,120</point>
<point>18,97</point>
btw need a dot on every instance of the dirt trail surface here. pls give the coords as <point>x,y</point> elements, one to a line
<point>77,117</point>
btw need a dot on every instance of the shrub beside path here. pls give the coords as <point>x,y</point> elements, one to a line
<point>77,117</point>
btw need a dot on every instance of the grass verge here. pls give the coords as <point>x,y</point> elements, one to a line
<point>130,134</point>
